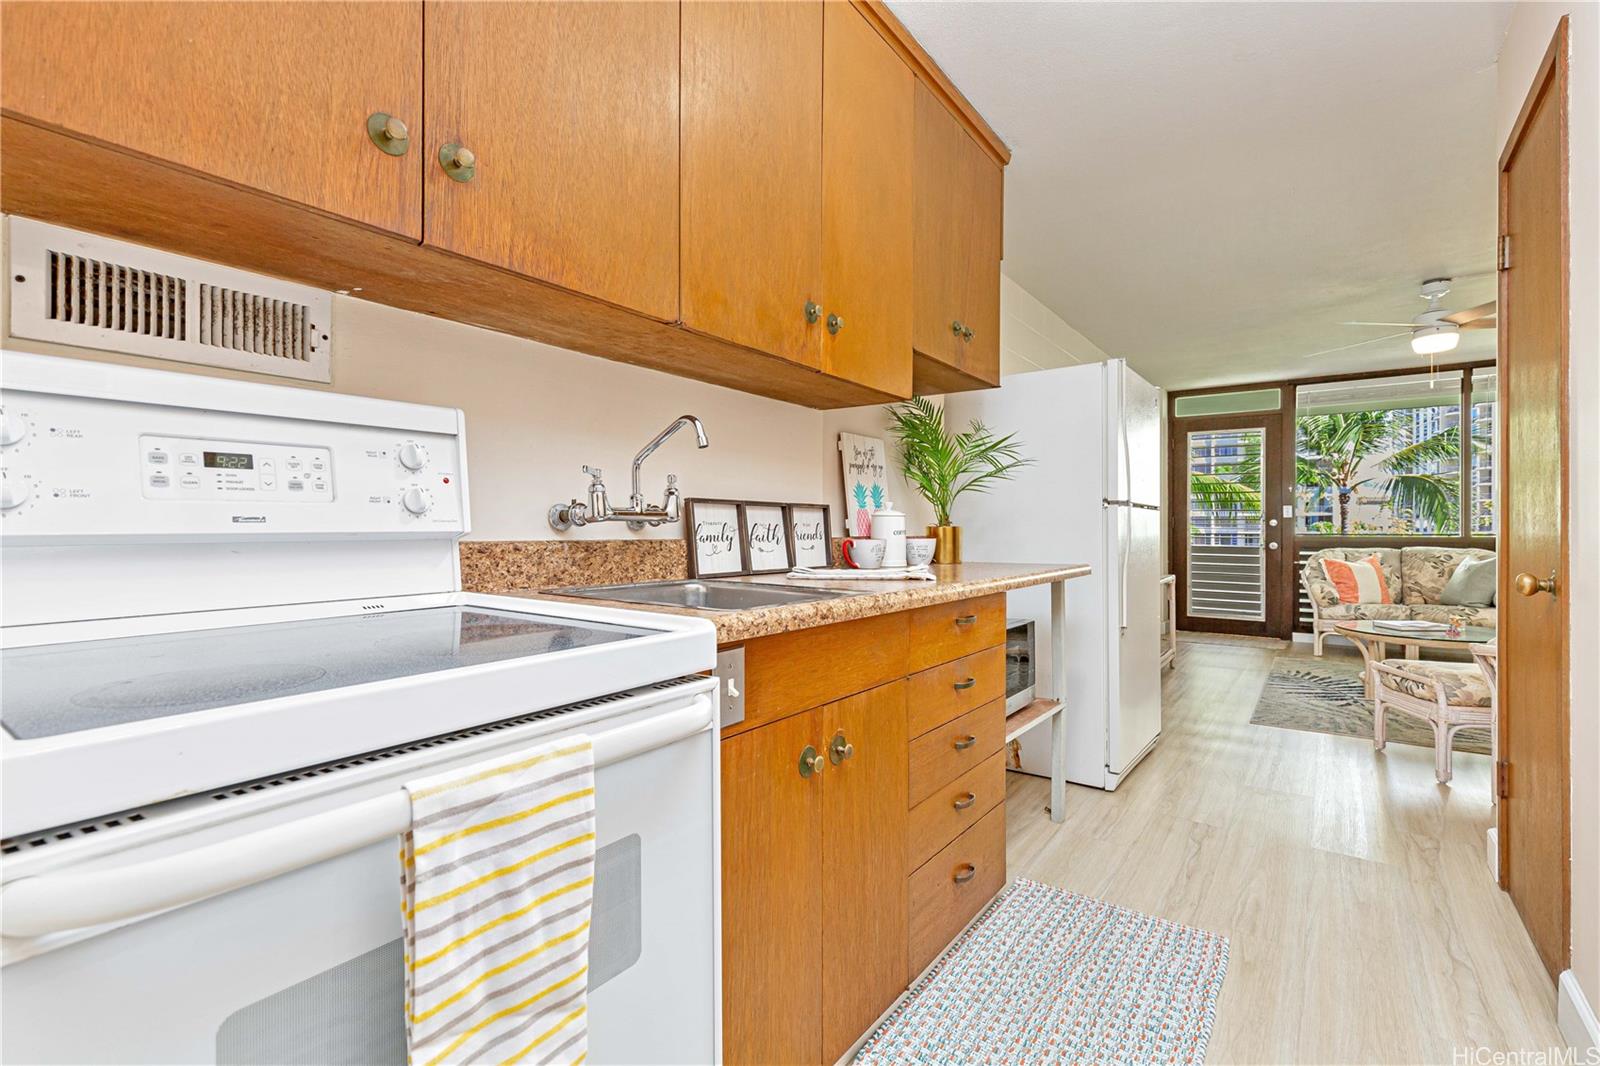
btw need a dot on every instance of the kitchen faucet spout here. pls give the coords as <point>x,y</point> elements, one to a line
<point>637,497</point>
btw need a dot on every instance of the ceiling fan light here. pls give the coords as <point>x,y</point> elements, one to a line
<point>1435,340</point>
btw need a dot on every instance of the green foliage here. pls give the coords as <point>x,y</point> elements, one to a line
<point>1333,450</point>
<point>943,465</point>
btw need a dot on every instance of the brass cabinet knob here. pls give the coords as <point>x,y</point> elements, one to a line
<point>388,133</point>
<point>835,324</point>
<point>459,162</point>
<point>961,686</point>
<point>964,873</point>
<point>957,328</point>
<point>966,333</point>
<point>840,749</point>
<point>813,312</point>
<point>811,762</point>
<point>1529,585</point>
<point>963,743</point>
<point>965,801</point>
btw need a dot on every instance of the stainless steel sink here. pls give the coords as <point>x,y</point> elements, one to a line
<point>705,595</point>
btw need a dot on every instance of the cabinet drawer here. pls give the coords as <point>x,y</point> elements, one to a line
<point>946,752</point>
<point>954,808</point>
<point>948,631</point>
<point>948,889</point>
<point>945,692</point>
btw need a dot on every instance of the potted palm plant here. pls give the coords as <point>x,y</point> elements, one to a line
<point>943,466</point>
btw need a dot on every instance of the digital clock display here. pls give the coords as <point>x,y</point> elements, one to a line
<point>230,460</point>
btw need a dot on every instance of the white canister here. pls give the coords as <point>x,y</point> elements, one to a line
<point>889,526</point>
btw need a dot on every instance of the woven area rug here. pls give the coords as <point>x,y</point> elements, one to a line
<point>1047,976</point>
<point>1325,696</point>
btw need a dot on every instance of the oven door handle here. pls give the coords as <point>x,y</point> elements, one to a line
<point>56,902</point>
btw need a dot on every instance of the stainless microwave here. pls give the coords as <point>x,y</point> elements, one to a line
<point>1020,676</point>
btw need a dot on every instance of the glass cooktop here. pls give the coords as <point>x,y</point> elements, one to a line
<point>66,688</point>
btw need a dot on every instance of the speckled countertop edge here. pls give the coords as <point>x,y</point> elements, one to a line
<point>868,598</point>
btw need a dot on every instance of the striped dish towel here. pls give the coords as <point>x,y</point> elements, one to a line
<point>498,875</point>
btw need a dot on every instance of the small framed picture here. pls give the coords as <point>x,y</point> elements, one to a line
<point>808,533</point>
<point>716,544</point>
<point>766,537</point>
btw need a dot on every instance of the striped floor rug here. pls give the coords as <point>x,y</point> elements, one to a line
<point>1050,976</point>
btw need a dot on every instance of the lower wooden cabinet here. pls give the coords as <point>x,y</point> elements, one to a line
<point>814,895</point>
<point>950,888</point>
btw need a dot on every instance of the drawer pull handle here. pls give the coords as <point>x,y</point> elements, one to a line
<point>963,743</point>
<point>961,686</point>
<point>964,873</point>
<point>965,801</point>
<point>966,619</point>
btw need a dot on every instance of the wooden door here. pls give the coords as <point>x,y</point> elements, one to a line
<point>980,352</point>
<point>271,96</point>
<point>772,887</point>
<point>1534,645</point>
<point>752,173</point>
<point>864,825</point>
<point>866,205</point>
<point>941,232</point>
<point>572,113</point>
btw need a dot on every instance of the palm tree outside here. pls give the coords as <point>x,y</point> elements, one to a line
<point>1344,453</point>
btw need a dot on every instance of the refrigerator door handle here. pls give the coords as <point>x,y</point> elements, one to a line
<point>1123,514</point>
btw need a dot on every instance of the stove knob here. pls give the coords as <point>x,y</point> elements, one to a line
<point>12,429</point>
<point>413,456</point>
<point>416,501</point>
<point>14,494</point>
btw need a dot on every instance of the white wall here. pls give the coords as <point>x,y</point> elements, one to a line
<point>1532,26</point>
<point>1033,337</point>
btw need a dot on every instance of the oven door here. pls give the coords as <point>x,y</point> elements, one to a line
<point>305,967</point>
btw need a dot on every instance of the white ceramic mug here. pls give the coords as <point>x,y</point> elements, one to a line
<point>919,550</point>
<point>863,553</point>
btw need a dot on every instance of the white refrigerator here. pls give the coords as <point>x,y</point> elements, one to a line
<point>1092,495</point>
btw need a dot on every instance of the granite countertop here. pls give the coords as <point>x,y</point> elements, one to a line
<point>956,581</point>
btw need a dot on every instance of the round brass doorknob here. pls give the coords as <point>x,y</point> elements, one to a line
<point>1529,585</point>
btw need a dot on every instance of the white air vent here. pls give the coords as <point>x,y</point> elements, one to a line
<point>69,287</point>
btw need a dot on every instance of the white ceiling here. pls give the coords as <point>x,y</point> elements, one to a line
<point>1207,189</point>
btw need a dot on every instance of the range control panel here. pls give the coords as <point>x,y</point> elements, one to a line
<point>75,466</point>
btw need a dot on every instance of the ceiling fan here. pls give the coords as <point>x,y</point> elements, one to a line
<point>1433,332</point>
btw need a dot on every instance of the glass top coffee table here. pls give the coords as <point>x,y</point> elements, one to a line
<point>1373,640</point>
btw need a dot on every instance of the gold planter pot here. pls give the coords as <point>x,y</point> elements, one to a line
<point>946,543</point>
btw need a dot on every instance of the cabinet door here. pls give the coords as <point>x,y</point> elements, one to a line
<point>867,195</point>
<point>752,174</point>
<point>572,113</point>
<point>772,894</point>
<point>864,826</point>
<point>271,96</point>
<point>942,229</point>
<point>980,353</point>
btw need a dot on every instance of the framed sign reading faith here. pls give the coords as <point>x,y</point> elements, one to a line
<point>766,538</point>
<point>808,534</point>
<point>715,539</point>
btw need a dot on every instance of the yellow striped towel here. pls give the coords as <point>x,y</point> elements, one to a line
<point>498,878</point>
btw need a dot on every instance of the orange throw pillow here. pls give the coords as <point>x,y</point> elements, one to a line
<point>1360,582</point>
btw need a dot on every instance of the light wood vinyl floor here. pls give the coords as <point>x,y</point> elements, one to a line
<point>1363,923</point>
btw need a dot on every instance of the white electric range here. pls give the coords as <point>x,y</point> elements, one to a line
<point>233,625</point>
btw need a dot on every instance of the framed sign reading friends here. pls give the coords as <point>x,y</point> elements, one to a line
<point>808,534</point>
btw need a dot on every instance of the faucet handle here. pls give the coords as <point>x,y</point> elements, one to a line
<point>592,471</point>
<point>672,481</point>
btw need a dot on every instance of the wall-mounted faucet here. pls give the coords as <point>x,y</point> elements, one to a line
<point>637,514</point>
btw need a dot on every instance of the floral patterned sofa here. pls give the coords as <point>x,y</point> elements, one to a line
<point>1415,576</point>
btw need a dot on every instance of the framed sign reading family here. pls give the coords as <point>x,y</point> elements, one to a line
<point>731,538</point>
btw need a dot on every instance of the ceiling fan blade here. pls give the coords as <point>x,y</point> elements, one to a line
<point>1407,325</point>
<point>1461,318</point>
<point>1481,323</point>
<point>1357,344</point>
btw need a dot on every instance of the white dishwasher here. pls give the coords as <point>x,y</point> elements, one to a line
<point>233,626</point>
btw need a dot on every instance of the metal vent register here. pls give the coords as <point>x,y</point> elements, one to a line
<point>75,288</point>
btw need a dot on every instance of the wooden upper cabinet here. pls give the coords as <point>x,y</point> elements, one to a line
<point>867,106</point>
<point>571,112</point>
<point>751,233</point>
<point>957,250</point>
<point>772,889</point>
<point>864,827</point>
<point>270,96</point>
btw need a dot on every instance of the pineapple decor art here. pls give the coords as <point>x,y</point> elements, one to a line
<point>865,464</point>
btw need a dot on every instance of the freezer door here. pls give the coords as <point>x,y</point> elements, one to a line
<point>1133,427</point>
<point>1134,622</point>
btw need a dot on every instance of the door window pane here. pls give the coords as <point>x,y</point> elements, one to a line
<point>1226,555</point>
<point>1485,390</point>
<point>1227,403</point>
<point>1380,456</point>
